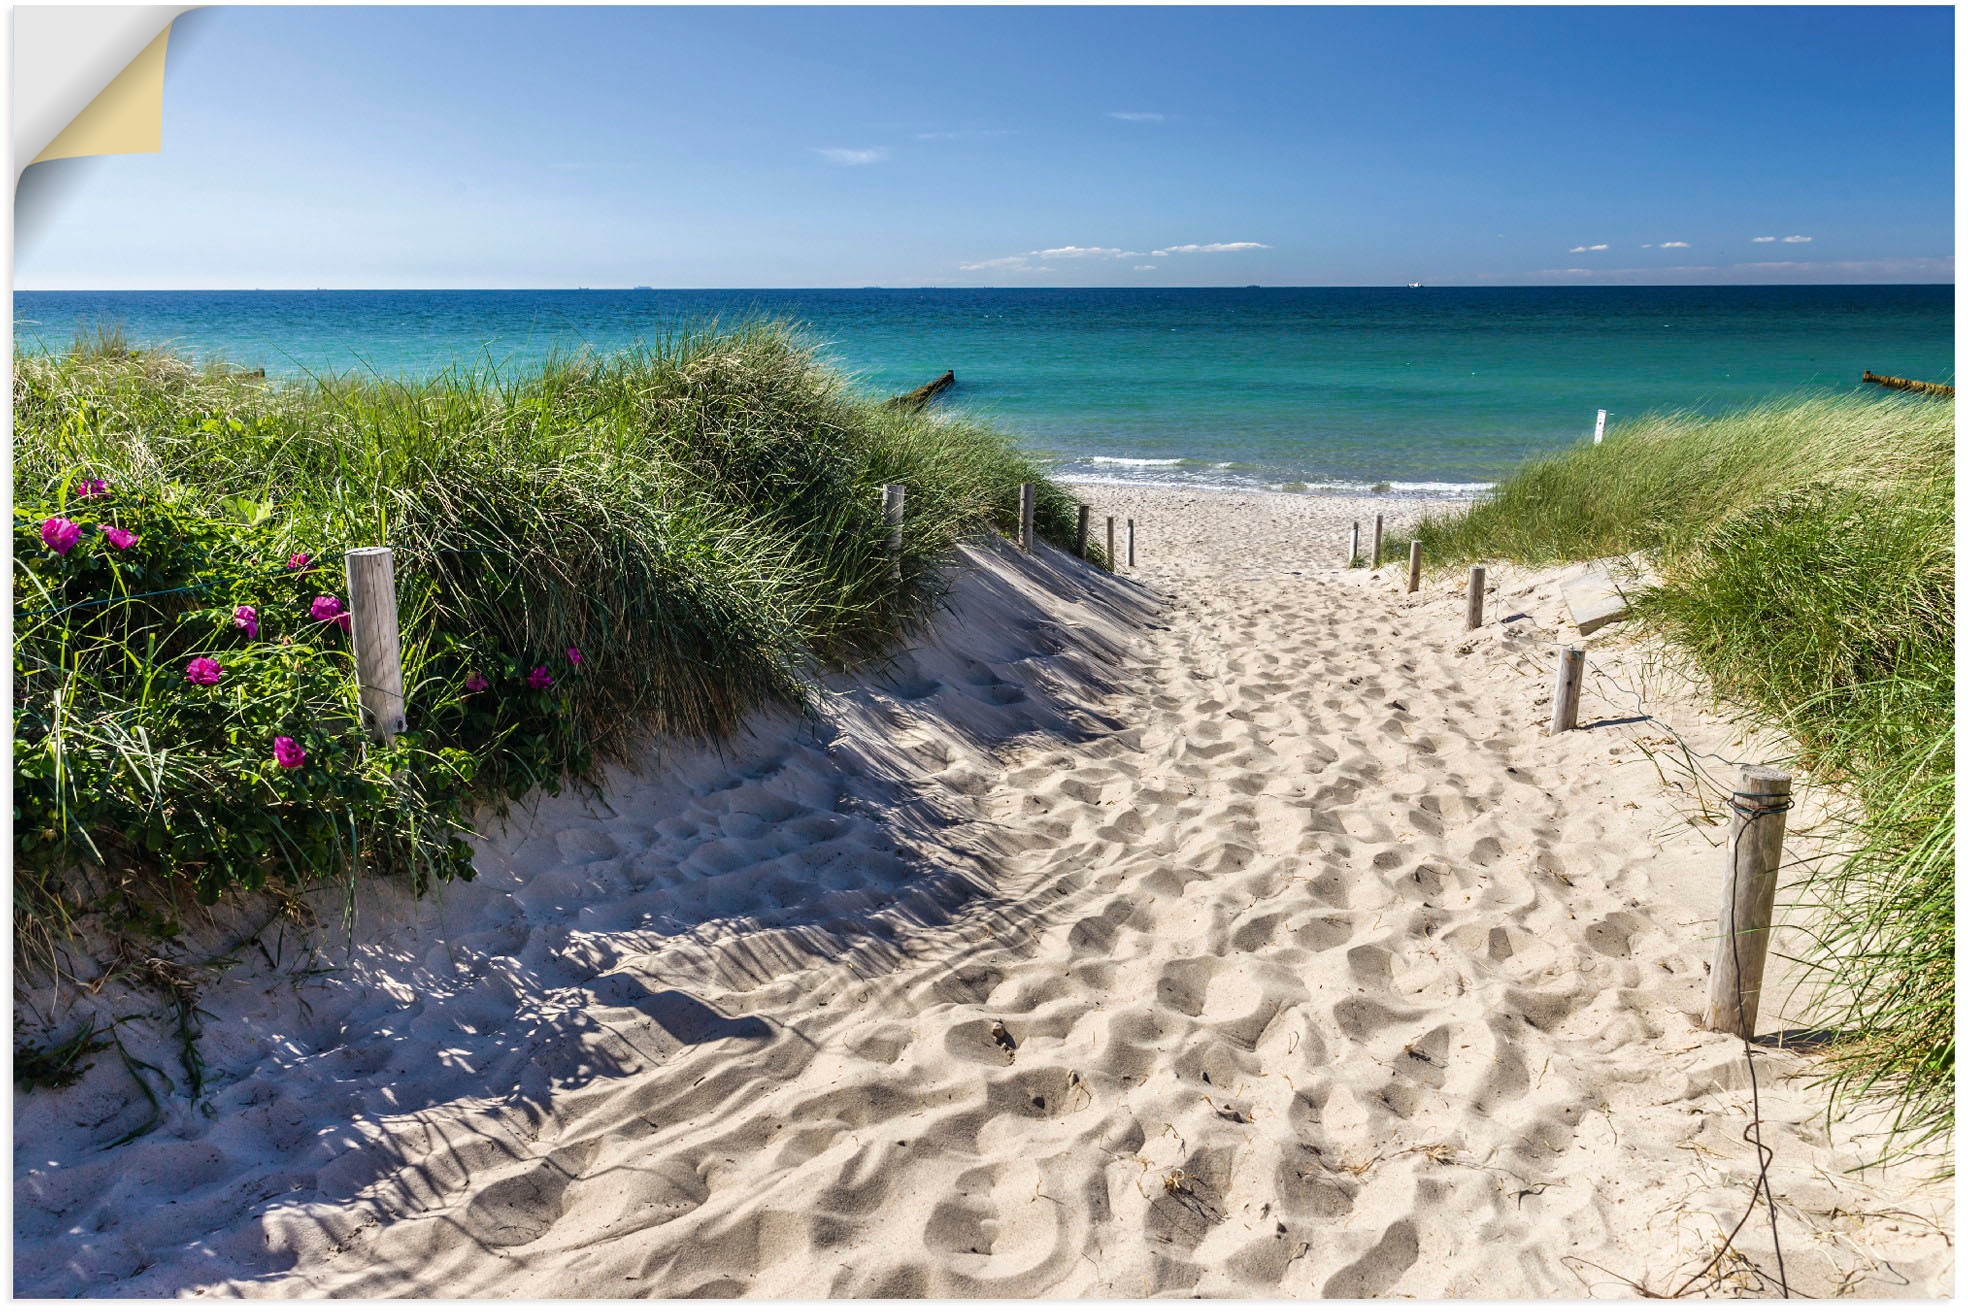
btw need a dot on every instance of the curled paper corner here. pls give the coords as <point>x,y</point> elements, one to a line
<point>125,118</point>
<point>89,80</point>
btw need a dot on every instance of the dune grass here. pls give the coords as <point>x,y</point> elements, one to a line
<point>593,558</point>
<point>1806,556</point>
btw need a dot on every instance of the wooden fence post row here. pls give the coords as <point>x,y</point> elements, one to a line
<point>1353,548</point>
<point>1380,524</point>
<point>1028,505</point>
<point>1414,565</point>
<point>1756,835</point>
<point>1475,615</point>
<point>894,495</point>
<point>1080,538</point>
<point>1130,544</point>
<point>376,640</point>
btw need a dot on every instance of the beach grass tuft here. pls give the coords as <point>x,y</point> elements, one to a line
<point>1806,560</point>
<point>594,558</point>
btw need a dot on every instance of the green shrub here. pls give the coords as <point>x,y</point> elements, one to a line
<point>671,537</point>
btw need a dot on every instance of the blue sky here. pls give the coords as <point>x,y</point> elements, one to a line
<point>750,147</point>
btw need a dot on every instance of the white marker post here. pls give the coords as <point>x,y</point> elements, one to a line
<point>1599,429</point>
<point>894,497</point>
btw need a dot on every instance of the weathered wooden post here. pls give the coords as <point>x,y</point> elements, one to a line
<point>1414,565</point>
<point>1130,544</point>
<point>1565,694</point>
<point>1353,548</point>
<point>1112,559</point>
<point>893,497</point>
<point>1028,509</point>
<point>1599,429</point>
<point>1380,524</point>
<point>1475,616</point>
<point>374,636</point>
<point>1756,834</point>
<point>1080,538</point>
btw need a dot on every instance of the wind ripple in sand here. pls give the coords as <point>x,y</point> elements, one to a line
<point>1302,965</point>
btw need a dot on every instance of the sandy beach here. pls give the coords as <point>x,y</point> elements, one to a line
<point>1230,927</point>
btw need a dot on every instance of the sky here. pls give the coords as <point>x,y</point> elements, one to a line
<point>738,147</point>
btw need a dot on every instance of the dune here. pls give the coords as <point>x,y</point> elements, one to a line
<point>1226,927</point>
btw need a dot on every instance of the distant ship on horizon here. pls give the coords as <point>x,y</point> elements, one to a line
<point>1414,284</point>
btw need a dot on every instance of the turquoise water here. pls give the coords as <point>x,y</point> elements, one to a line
<point>1441,389</point>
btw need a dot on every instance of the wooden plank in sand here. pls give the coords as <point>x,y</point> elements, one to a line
<point>1594,600</point>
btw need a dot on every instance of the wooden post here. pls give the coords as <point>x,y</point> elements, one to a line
<point>1756,834</point>
<point>1112,559</point>
<point>893,497</point>
<point>1353,550</point>
<point>1475,616</point>
<point>378,646</point>
<point>1080,538</point>
<point>1599,429</point>
<point>1565,694</point>
<point>1414,565</point>
<point>1028,509</point>
<point>1130,544</point>
<point>1380,524</point>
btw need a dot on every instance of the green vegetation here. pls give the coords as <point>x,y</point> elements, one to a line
<point>1806,558</point>
<point>598,553</point>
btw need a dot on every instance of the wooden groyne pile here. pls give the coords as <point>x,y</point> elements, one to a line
<point>1908,384</point>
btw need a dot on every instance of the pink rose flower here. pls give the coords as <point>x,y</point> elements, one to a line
<point>90,488</point>
<point>60,534</point>
<point>539,679</point>
<point>573,655</point>
<point>299,560</point>
<point>328,610</point>
<point>245,617</point>
<point>120,538</point>
<point>477,682</point>
<point>203,669</point>
<point>288,754</point>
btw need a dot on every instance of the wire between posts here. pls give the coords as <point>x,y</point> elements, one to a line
<point>1753,1133</point>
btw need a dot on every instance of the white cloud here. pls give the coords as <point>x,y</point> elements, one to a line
<point>1921,269</point>
<point>1580,249</point>
<point>1136,116</point>
<point>1646,245</point>
<point>1143,268</point>
<point>1762,238</point>
<point>1022,263</point>
<point>1215,247</point>
<point>852,155</point>
<point>1086,253</point>
<point>1674,245</point>
<point>1793,239</point>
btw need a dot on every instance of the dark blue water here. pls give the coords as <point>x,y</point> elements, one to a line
<point>1272,386</point>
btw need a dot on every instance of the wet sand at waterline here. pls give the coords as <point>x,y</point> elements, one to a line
<point>1229,927</point>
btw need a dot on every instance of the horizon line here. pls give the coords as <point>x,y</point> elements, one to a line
<point>994,287</point>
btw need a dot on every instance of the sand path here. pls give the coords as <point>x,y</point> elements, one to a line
<point>1249,938</point>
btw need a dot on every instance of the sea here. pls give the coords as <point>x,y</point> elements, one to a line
<point>1433,390</point>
